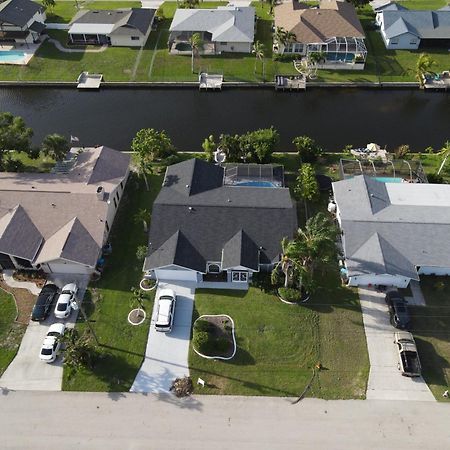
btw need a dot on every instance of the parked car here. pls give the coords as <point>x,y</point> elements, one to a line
<point>44,302</point>
<point>67,296</point>
<point>166,310</point>
<point>52,343</point>
<point>398,310</point>
<point>409,362</point>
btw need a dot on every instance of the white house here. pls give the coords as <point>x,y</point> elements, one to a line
<point>393,232</point>
<point>118,28</point>
<point>59,222</point>
<point>21,21</point>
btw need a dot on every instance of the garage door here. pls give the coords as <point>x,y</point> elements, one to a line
<point>180,275</point>
<point>68,268</point>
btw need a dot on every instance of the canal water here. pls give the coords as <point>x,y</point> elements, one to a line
<point>334,117</point>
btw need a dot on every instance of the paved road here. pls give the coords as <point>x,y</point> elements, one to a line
<point>166,355</point>
<point>62,420</point>
<point>385,381</point>
<point>27,371</point>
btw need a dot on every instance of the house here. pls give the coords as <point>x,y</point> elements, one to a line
<point>59,222</point>
<point>225,29</point>
<point>332,28</point>
<point>211,223</point>
<point>393,232</point>
<point>119,27</point>
<point>21,21</point>
<point>406,29</point>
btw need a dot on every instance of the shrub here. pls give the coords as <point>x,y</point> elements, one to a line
<point>434,178</point>
<point>290,294</point>
<point>307,148</point>
<point>221,345</point>
<point>202,325</point>
<point>439,286</point>
<point>200,341</point>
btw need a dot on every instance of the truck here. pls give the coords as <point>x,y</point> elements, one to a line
<point>409,363</point>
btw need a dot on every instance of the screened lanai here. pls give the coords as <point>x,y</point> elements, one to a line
<point>341,49</point>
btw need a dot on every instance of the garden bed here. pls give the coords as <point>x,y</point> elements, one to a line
<point>39,278</point>
<point>292,296</point>
<point>214,337</point>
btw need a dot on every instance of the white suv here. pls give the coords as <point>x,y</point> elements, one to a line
<point>52,343</point>
<point>67,296</point>
<point>166,310</point>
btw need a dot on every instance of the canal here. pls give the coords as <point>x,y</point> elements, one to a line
<point>334,117</point>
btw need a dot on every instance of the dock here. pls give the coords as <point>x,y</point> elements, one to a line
<point>210,81</point>
<point>88,80</point>
<point>290,83</point>
<point>440,81</point>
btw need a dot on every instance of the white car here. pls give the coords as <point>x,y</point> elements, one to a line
<point>67,296</point>
<point>52,343</point>
<point>166,310</point>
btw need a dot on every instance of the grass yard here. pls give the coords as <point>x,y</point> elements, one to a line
<point>41,164</point>
<point>108,301</point>
<point>431,329</point>
<point>11,332</point>
<point>423,4</point>
<point>279,344</point>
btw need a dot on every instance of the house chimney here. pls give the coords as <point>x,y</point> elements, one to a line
<point>100,193</point>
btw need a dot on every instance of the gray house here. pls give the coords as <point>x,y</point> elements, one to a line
<point>119,27</point>
<point>393,232</point>
<point>211,223</point>
<point>406,29</point>
<point>225,29</point>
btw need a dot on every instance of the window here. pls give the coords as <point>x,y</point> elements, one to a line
<point>117,195</point>
<point>121,185</point>
<point>394,41</point>
<point>134,38</point>
<point>107,227</point>
<point>213,268</point>
<point>412,42</point>
<point>239,277</point>
<point>115,202</point>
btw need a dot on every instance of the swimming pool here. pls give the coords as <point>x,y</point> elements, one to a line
<point>11,56</point>
<point>389,179</point>
<point>256,184</point>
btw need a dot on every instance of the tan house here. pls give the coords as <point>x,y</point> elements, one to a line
<point>331,29</point>
<point>59,222</point>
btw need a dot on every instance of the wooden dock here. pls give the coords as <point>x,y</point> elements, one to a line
<point>290,83</point>
<point>441,81</point>
<point>210,81</point>
<point>88,80</point>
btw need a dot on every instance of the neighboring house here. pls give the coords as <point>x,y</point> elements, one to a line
<point>215,224</point>
<point>119,27</point>
<point>332,28</point>
<point>59,222</point>
<point>21,21</point>
<point>393,232</point>
<point>225,29</point>
<point>406,29</point>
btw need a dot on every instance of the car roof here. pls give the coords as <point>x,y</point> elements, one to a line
<point>64,298</point>
<point>69,287</point>
<point>164,311</point>
<point>58,327</point>
<point>49,287</point>
<point>166,293</point>
<point>49,341</point>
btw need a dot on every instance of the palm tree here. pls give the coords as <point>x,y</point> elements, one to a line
<point>196,44</point>
<point>316,58</point>
<point>423,67</point>
<point>445,152</point>
<point>258,51</point>
<point>143,215</point>
<point>286,263</point>
<point>78,352</point>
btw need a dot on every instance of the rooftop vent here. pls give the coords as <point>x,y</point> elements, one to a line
<point>100,193</point>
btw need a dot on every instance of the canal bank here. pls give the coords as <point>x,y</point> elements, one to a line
<point>334,117</point>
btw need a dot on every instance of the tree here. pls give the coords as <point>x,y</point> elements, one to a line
<point>258,51</point>
<point>401,151</point>
<point>315,58</point>
<point>307,149</point>
<point>259,145</point>
<point>306,186</point>
<point>359,3</point>
<point>231,146</point>
<point>209,147</point>
<point>150,145</point>
<point>141,252</point>
<point>14,135</point>
<point>79,351</point>
<point>445,153</point>
<point>196,44</point>
<point>424,65</point>
<point>55,146</point>
<point>138,297</point>
<point>143,215</point>
<point>286,263</point>
<point>49,4</point>
<point>284,37</point>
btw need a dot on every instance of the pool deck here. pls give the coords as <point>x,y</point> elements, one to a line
<point>28,49</point>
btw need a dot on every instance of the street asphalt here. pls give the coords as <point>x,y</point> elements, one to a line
<point>70,420</point>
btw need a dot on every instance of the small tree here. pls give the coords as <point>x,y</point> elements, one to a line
<point>79,351</point>
<point>49,4</point>
<point>445,153</point>
<point>258,51</point>
<point>306,186</point>
<point>196,44</point>
<point>259,145</point>
<point>401,151</point>
<point>307,149</point>
<point>141,252</point>
<point>424,66</point>
<point>209,147</point>
<point>231,146</point>
<point>55,146</point>
<point>138,297</point>
<point>14,135</point>
<point>143,215</point>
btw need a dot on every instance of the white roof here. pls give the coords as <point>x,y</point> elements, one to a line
<point>163,311</point>
<point>91,28</point>
<point>419,194</point>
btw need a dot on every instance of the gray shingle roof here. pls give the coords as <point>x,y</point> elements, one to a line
<point>214,215</point>
<point>18,12</point>
<point>110,165</point>
<point>392,228</point>
<point>240,250</point>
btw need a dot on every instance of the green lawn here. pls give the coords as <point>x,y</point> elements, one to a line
<point>431,329</point>
<point>10,332</point>
<point>279,344</point>
<point>423,4</point>
<point>41,164</point>
<point>108,301</point>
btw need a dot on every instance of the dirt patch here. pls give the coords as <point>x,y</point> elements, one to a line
<point>25,301</point>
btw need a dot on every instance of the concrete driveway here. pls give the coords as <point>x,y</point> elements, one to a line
<point>385,380</point>
<point>166,355</point>
<point>26,371</point>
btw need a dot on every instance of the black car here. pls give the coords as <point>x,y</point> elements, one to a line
<point>44,302</point>
<point>398,310</point>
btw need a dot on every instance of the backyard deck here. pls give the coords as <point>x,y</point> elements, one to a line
<point>88,80</point>
<point>294,83</point>
<point>210,81</point>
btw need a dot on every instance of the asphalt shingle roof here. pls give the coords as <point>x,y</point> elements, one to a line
<point>240,250</point>
<point>18,12</point>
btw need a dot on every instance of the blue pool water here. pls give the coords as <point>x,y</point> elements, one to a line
<point>11,55</point>
<point>349,57</point>
<point>256,184</point>
<point>389,179</point>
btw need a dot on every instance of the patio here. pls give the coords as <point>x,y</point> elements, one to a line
<point>17,54</point>
<point>183,47</point>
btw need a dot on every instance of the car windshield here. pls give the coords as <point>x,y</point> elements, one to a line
<point>62,306</point>
<point>66,292</point>
<point>46,351</point>
<point>53,333</point>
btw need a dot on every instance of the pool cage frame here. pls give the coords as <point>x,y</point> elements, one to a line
<point>238,173</point>
<point>341,46</point>
<point>410,171</point>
